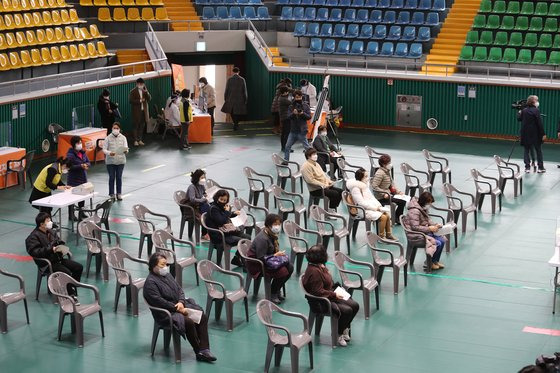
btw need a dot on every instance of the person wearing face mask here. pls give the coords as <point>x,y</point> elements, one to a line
<point>173,113</point>
<point>49,179</point>
<point>139,99</point>
<point>418,219</point>
<point>299,113</point>
<point>115,148</point>
<point>317,181</point>
<point>209,96</point>
<point>362,196</point>
<point>384,187</point>
<point>532,134</point>
<point>235,98</point>
<point>162,291</point>
<point>77,173</point>
<point>264,245</point>
<point>196,197</point>
<point>324,146</point>
<point>186,117</point>
<point>42,243</point>
<point>310,91</point>
<point>283,102</point>
<point>107,110</point>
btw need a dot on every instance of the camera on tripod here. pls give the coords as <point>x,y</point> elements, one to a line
<point>519,104</point>
<point>298,107</point>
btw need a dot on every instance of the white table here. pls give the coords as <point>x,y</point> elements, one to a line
<point>60,200</point>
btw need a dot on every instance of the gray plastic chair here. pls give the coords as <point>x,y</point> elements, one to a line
<point>437,165</point>
<point>252,221</point>
<point>347,170</point>
<point>99,215</point>
<point>327,229</point>
<point>161,239</point>
<point>10,298</point>
<point>58,283</point>
<point>212,183</point>
<point>287,170</point>
<point>243,247</point>
<point>147,227</point>
<point>321,316</point>
<point>314,200</point>
<point>355,219</point>
<point>115,258</point>
<point>290,203</point>
<point>258,186</point>
<point>392,205</point>
<point>299,245</point>
<point>414,241</point>
<point>387,259</point>
<point>459,207</point>
<point>484,187</point>
<point>188,215</point>
<point>91,233</point>
<point>168,332</point>
<point>22,168</point>
<point>366,285</point>
<point>413,182</point>
<point>374,161</point>
<point>222,248</point>
<point>218,293</point>
<point>449,218</point>
<point>509,171</point>
<point>329,163</point>
<point>280,336</point>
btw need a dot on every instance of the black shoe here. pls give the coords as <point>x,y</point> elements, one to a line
<point>235,127</point>
<point>236,261</point>
<point>291,150</point>
<point>73,217</point>
<point>205,356</point>
<point>187,146</point>
<point>281,297</point>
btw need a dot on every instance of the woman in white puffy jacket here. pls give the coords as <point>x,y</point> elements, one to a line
<point>172,112</point>
<point>363,197</point>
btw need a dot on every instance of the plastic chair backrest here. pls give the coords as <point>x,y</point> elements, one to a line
<point>139,212</point>
<point>115,259</point>
<point>372,48</point>
<point>312,29</point>
<point>58,285</point>
<point>91,233</point>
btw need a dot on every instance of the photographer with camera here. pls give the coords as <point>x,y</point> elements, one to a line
<point>299,114</point>
<point>532,134</point>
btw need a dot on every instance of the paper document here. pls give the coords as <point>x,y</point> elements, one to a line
<point>341,292</point>
<point>404,197</point>
<point>210,193</point>
<point>63,249</point>
<point>240,219</point>
<point>121,150</point>
<point>194,315</point>
<point>386,209</point>
<point>446,229</point>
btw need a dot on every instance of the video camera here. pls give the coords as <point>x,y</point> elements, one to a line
<point>519,105</point>
<point>298,106</point>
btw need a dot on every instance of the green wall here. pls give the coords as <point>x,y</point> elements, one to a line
<point>372,102</point>
<point>29,132</point>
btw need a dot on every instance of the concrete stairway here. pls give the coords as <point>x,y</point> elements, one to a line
<point>133,55</point>
<point>181,10</point>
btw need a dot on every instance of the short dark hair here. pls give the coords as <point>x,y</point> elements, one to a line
<point>236,70</point>
<point>203,80</point>
<point>140,80</point>
<point>283,89</point>
<point>322,127</point>
<point>154,260</point>
<point>220,193</point>
<point>271,219</point>
<point>303,82</point>
<point>384,160</point>
<point>41,217</point>
<point>185,93</point>
<point>288,81</point>
<point>63,161</point>
<point>74,140</point>
<point>309,152</point>
<point>196,175</point>
<point>105,92</point>
<point>359,174</point>
<point>116,124</point>
<point>297,92</point>
<point>317,254</point>
<point>425,198</point>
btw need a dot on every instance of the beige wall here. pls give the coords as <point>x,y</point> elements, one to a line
<point>216,41</point>
<point>193,73</point>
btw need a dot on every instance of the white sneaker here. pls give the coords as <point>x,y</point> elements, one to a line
<point>346,335</point>
<point>141,143</point>
<point>135,143</point>
<point>342,341</point>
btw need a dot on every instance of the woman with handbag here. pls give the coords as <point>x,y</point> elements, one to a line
<point>277,264</point>
<point>196,197</point>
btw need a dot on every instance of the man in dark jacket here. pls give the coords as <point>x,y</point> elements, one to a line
<point>108,110</point>
<point>323,145</point>
<point>235,98</point>
<point>43,242</point>
<point>284,103</point>
<point>299,114</point>
<point>532,134</point>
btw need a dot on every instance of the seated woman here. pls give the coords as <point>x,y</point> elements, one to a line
<point>266,245</point>
<point>362,196</point>
<point>220,214</point>
<point>318,281</point>
<point>316,180</point>
<point>418,220</point>
<point>323,144</point>
<point>162,291</point>
<point>196,197</point>
<point>383,186</point>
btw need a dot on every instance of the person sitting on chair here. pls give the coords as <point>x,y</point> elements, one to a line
<point>162,291</point>
<point>384,187</point>
<point>323,144</point>
<point>317,181</point>
<point>196,197</point>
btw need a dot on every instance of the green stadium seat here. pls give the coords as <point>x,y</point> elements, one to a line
<point>554,58</point>
<point>501,38</point>
<point>530,40</point>
<point>510,55</point>
<point>541,9</point>
<point>515,39</point>
<point>556,42</point>
<point>524,56</point>
<point>485,38</point>
<point>479,21</point>
<point>551,25</point>
<point>522,24</point>
<point>539,58</point>
<point>527,8</point>
<point>472,37</point>
<point>466,53</point>
<point>495,54</point>
<point>485,6</point>
<point>480,54</point>
<point>507,23</point>
<point>493,22</point>
<point>513,7</point>
<point>499,7</point>
<point>545,41</point>
<point>554,10</point>
<point>536,24</point>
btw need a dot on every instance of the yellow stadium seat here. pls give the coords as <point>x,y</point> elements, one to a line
<point>25,58</point>
<point>18,20</point>
<point>46,56</point>
<point>15,60</point>
<point>3,44</point>
<point>51,3</point>
<point>6,5</point>
<point>2,23</point>
<point>91,50</point>
<point>85,33</point>
<point>10,40</point>
<point>156,2</point>
<point>94,31</point>
<point>148,14</point>
<point>55,54</point>
<point>49,35</point>
<point>4,62</point>
<point>74,54</point>
<point>36,57</point>
<point>61,3</point>
<point>104,15</point>
<point>128,3</point>
<point>74,16</point>
<point>9,22</point>
<point>42,4</point>
<point>86,3</point>
<point>114,2</point>
<point>161,14</point>
<point>102,49</point>
<point>59,35</point>
<point>77,34</point>
<point>65,16</point>
<point>56,18</point>
<point>68,33</point>
<point>37,19</point>
<point>24,4</point>
<point>119,14</point>
<point>32,4</point>
<point>16,6</point>
<point>41,37</point>
<point>65,53</point>
<point>20,39</point>
<point>133,14</point>
<point>142,2</point>
<point>28,20</point>
<point>99,2</point>
<point>30,36</point>
<point>82,50</point>
<point>47,19</point>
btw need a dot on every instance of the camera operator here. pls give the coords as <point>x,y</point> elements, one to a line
<point>299,114</point>
<point>532,134</point>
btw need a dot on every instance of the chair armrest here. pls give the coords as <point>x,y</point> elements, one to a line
<point>219,284</point>
<point>327,154</point>
<point>341,270</point>
<point>256,261</point>
<point>162,310</point>
<point>309,231</point>
<point>456,199</point>
<point>48,262</point>
<point>361,263</point>
<point>147,222</point>
<point>295,164</point>
<point>13,275</point>
<point>483,182</point>
<point>235,274</point>
<point>286,200</point>
<point>138,260</point>
<point>322,299</point>
<point>438,216</point>
<point>297,315</point>
<point>441,158</point>
<point>269,177</point>
<point>466,194</point>
<point>259,208</point>
<point>326,222</point>
<point>257,181</point>
<point>337,216</point>
<point>284,329</point>
<point>113,233</point>
<point>389,252</point>
<point>413,177</point>
<point>167,218</point>
<point>514,165</point>
<point>90,287</point>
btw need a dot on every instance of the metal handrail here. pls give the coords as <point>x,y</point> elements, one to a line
<point>157,49</point>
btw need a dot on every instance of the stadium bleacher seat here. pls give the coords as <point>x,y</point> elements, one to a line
<point>362,16</point>
<point>521,23</point>
<point>389,17</point>
<point>432,19</point>
<point>309,14</point>
<point>376,16</point>
<point>553,59</point>
<point>411,4</point>
<point>499,7</point>
<point>394,33</point>
<point>403,18</point>
<point>336,15</point>
<point>366,32</point>
<point>382,4</point>
<point>315,45</point>
<point>357,47</point>
<point>387,49</point>
<point>418,18</point>
<point>539,57</point>
<point>415,50</point>
<point>495,54</point>
<point>327,30</point>
<point>300,29</point>
<point>319,2</point>
<point>545,41</point>
<point>322,15</point>
<point>343,47</point>
<point>372,48</point>
<point>133,14</point>
<point>510,55</point>
<point>531,40</point>
<point>235,12</point>
<point>298,13</point>
<point>466,53</point>
<point>353,31</point>
<point>425,5</point>
<point>501,38</point>
<point>344,3</point>
<point>515,39</point>
<point>527,8</point>
<point>262,13</point>
<point>551,25</point>
<point>312,29</point>
<point>380,32</point>
<point>486,38</point>
<point>358,3</point>
<point>554,10</point>
<point>397,4</point>
<point>328,46</point>
<point>339,31</point>
<point>409,33</point>
<point>536,24</point>
<point>524,56</point>
<point>480,54</point>
<point>349,15</point>
<point>370,4</point>
<point>401,50</point>
<point>286,15</point>
<point>148,14</point>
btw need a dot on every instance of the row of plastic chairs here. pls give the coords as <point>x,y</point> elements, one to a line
<point>516,39</point>
<point>510,55</point>
<point>9,21</point>
<point>131,14</point>
<point>234,12</point>
<point>365,32</point>
<point>121,3</point>
<point>521,23</point>
<point>513,7</point>
<point>23,5</point>
<point>48,36</point>
<point>437,5</point>
<point>54,55</point>
<point>362,16</point>
<point>229,2</point>
<point>388,49</point>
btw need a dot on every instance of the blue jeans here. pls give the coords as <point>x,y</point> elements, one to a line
<point>115,171</point>
<point>292,138</point>
<point>440,244</point>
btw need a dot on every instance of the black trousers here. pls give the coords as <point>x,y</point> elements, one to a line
<point>197,334</point>
<point>333,193</point>
<point>529,155</point>
<point>285,133</point>
<point>345,310</point>
<point>184,133</point>
<point>211,113</point>
<point>278,283</point>
<point>401,203</point>
<point>71,268</point>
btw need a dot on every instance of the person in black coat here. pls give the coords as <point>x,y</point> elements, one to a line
<point>108,110</point>
<point>77,173</point>
<point>162,291</point>
<point>532,134</point>
<point>323,144</point>
<point>299,114</point>
<point>42,243</point>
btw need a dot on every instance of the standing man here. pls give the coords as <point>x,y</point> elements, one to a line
<point>139,98</point>
<point>209,95</point>
<point>309,89</point>
<point>185,110</point>
<point>299,114</point>
<point>235,98</point>
<point>107,109</point>
<point>532,134</point>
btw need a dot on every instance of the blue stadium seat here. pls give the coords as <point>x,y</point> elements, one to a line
<point>415,50</point>
<point>344,3</point>
<point>312,29</point>
<point>370,4</point>
<point>432,19</point>
<point>328,46</point>
<point>401,50</point>
<point>319,2</point>
<point>230,2</point>
<point>424,34</point>
<point>394,33</point>
<point>208,13</point>
<point>332,2</point>
<point>222,12</point>
<point>411,4</point>
<point>366,32</point>
<point>241,2</point>
<point>409,33</point>
<point>404,18</point>
<point>309,14</point>
<point>380,32</point>
<point>287,13</point>
<point>383,3</point>
<point>339,31</point>
<point>255,2</point>
<point>299,14</point>
<point>306,2</point>
<point>439,5</point>
<point>235,12</point>
<point>358,3</point>
<point>387,49</point>
<point>343,47</point>
<point>282,2</point>
<point>390,17</point>
<point>322,15</point>
<point>372,48</point>
<point>349,15</point>
<point>357,47</point>
<point>425,5</point>
<point>336,15</point>
<point>216,2</point>
<point>397,4</point>
<point>417,18</point>
<point>295,2</point>
<point>250,13</point>
<point>315,45</point>
<point>353,31</point>
<point>362,16</point>
<point>326,30</point>
<point>300,28</point>
<point>262,13</point>
<point>201,2</point>
<point>376,16</point>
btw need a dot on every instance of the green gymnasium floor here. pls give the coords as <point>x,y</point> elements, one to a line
<point>468,317</point>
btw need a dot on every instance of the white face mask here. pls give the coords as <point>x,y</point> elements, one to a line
<point>537,104</point>
<point>202,182</point>
<point>323,134</point>
<point>201,85</point>
<point>49,224</point>
<point>427,207</point>
<point>79,146</point>
<point>276,229</point>
<point>162,271</point>
<point>116,131</point>
<point>389,166</point>
<point>64,170</point>
<point>314,157</point>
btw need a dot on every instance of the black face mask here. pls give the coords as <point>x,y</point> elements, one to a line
<point>221,204</point>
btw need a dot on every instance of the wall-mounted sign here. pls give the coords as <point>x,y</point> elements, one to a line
<point>22,110</point>
<point>472,92</point>
<point>389,81</point>
<point>14,112</point>
<point>460,91</point>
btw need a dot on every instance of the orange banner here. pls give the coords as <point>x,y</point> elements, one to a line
<point>178,77</point>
